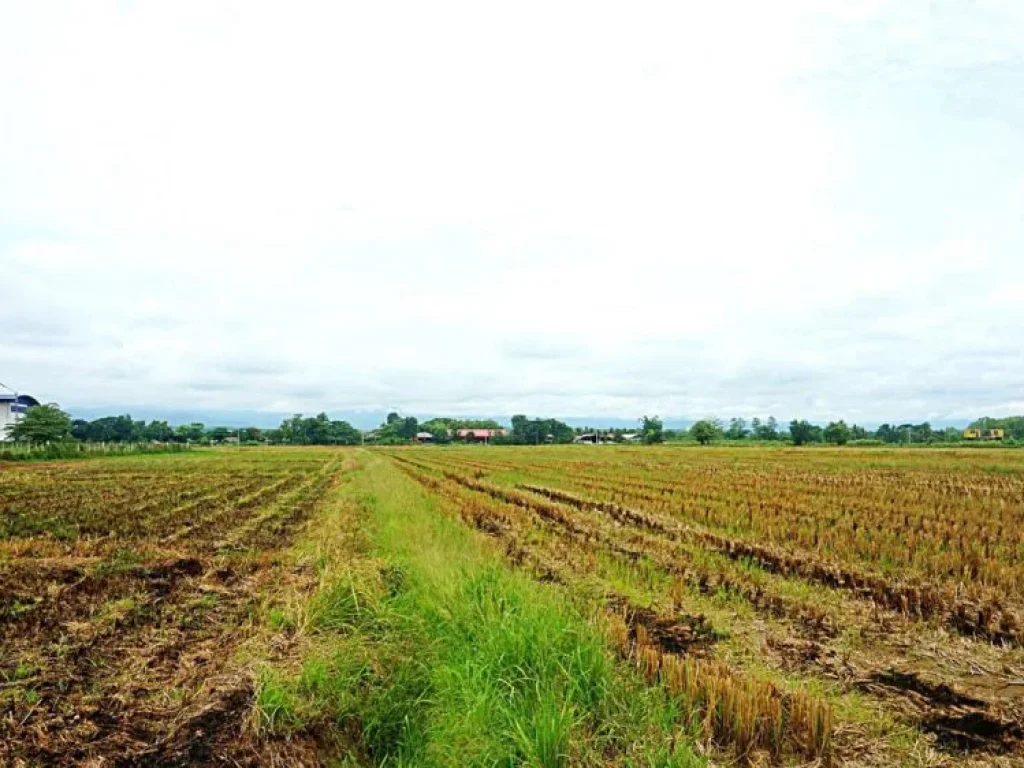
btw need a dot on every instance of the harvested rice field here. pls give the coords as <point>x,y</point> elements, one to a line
<point>550,606</point>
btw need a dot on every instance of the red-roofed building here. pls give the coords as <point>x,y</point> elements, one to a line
<point>479,435</point>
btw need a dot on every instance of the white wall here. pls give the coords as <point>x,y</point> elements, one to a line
<point>6,417</point>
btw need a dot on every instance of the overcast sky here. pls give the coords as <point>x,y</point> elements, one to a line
<point>810,208</point>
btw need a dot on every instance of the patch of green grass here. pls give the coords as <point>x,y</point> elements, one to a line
<point>280,619</point>
<point>276,703</point>
<point>25,670</point>
<point>121,561</point>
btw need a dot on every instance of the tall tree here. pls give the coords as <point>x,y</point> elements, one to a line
<point>737,429</point>
<point>801,432</point>
<point>160,431</point>
<point>652,429</point>
<point>190,433</point>
<point>768,430</point>
<point>705,431</point>
<point>539,431</point>
<point>887,434</point>
<point>41,424</point>
<point>837,432</point>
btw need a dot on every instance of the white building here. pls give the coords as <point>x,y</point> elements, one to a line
<point>12,408</point>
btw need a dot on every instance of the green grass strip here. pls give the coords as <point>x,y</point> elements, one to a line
<point>440,655</point>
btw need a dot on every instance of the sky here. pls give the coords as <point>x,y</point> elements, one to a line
<point>809,209</point>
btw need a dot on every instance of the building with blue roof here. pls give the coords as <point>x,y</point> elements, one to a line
<point>12,408</point>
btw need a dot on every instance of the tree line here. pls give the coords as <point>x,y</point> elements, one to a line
<point>397,429</point>
<point>803,432</point>
<point>49,424</point>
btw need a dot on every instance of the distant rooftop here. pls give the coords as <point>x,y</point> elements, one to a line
<point>8,397</point>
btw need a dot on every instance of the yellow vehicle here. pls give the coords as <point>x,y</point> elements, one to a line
<point>984,434</point>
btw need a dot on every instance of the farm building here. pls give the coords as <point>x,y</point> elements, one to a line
<point>479,435</point>
<point>595,438</point>
<point>424,437</point>
<point>12,408</point>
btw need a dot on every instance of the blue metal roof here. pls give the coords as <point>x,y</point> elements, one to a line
<point>7,397</point>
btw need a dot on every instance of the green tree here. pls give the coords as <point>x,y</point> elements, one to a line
<point>408,428</point>
<point>343,433</point>
<point>652,429</point>
<point>320,430</point>
<point>190,433</point>
<point>443,429</point>
<point>803,432</point>
<point>41,424</point>
<point>538,431</point>
<point>80,429</point>
<point>115,429</point>
<point>837,432</point>
<point>397,429</point>
<point>220,434</point>
<point>768,430</point>
<point>317,430</point>
<point>705,431</point>
<point>737,430</point>
<point>887,434</point>
<point>160,431</point>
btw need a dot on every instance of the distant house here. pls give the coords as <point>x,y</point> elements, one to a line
<point>424,437</point>
<point>631,437</point>
<point>479,435</point>
<point>12,408</point>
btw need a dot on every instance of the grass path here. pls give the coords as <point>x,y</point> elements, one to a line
<point>422,648</point>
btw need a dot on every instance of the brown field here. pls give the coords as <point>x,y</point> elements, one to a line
<point>125,587</point>
<point>807,606</point>
<point>868,598</point>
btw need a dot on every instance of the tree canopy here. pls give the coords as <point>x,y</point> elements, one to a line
<point>538,431</point>
<point>652,429</point>
<point>318,430</point>
<point>837,432</point>
<point>737,429</point>
<point>41,424</point>
<point>705,431</point>
<point>802,432</point>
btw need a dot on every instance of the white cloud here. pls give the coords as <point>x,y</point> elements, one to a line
<point>808,208</point>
